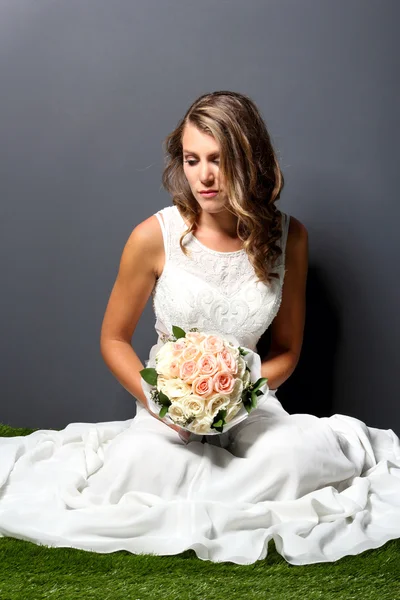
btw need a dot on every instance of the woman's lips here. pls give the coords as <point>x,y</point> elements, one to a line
<point>208,194</point>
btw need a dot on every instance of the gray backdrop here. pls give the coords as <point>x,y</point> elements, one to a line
<point>89,90</point>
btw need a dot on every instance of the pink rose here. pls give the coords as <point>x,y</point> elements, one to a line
<point>207,364</point>
<point>223,382</point>
<point>227,361</point>
<point>179,346</point>
<point>213,344</point>
<point>196,337</point>
<point>189,370</point>
<point>203,386</point>
<point>190,353</point>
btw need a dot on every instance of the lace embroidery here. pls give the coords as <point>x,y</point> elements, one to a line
<point>211,290</point>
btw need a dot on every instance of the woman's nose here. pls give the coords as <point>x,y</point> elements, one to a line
<point>206,173</point>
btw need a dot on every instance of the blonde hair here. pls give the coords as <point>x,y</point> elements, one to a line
<point>249,167</point>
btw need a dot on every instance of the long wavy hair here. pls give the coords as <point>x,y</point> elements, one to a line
<point>249,167</point>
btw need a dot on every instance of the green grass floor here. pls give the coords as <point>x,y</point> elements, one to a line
<point>32,572</point>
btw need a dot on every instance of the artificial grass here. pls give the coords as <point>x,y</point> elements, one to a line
<point>32,572</point>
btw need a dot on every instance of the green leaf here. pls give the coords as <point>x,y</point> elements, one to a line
<point>259,383</point>
<point>248,407</point>
<point>178,332</point>
<point>163,412</point>
<point>221,414</point>
<point>259,393</point>
<point>163,399</point>
<point>219,420</point>
<point>149,375</point>
<point>253,399</point>
<point>217,426</point>
<point>242,351</point>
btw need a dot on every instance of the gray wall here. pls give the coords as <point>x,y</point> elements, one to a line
<point>89,89</point>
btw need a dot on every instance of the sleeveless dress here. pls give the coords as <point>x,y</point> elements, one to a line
<point>321,488</point>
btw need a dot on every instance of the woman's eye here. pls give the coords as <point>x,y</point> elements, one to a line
<point>193,162</point>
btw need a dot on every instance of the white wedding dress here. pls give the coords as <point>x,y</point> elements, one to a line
<point>321,488</point>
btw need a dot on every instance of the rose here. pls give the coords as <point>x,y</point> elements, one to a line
<point>167,363</point>
<point>208,364</point>
<point>232,411</point>
<point>212,344</point>
<point>236,395</point>
<point>174,368</point>
<point>177,411</point>
<point>233,348</point>
<point>169,367</point>
<point>227,361</point>
<point>191,352</point>
<point>193,405</point>
<point>241,367</point>
<point>165,353</point>
<point>179,346</point>
<point>195,337</point>
<point>173,388</point>
<point>223,382</point>
<point>189,370</point>
<point>203,386</point>
<point>202,425</point>
<point>246,378</point>
<point>216,403</point>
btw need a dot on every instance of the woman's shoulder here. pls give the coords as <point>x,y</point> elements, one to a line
<point>146,238</point>
<point>297,237</point>
<point>149,230</point>
<point>296,228</point>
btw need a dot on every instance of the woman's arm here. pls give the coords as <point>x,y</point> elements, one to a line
<point>136,278</point>
<point>132,288</point>
<point>287,328</point>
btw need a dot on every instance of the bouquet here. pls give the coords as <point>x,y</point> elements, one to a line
<point>202,382</point>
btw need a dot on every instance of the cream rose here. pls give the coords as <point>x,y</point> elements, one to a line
<point>169,367</point>
<point>236,394</point>
<point>166,362</point>
<point>165,352</point>
<point>177,411</point>
<point>173,388</point>
<point>193,405</point>
<point>241,367</point>
<point>202,425</point>
<point>215,403</point>
<point>246,378</point>
<point>232,412</point>
<point>208,364</point>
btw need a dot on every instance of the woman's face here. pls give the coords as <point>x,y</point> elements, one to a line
<point>201,167</point>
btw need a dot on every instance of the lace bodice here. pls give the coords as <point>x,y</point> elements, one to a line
<point>212,290</point>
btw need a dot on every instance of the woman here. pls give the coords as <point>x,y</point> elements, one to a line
<point>229,261</point>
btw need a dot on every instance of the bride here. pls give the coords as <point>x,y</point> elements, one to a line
<point>223,258</point>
